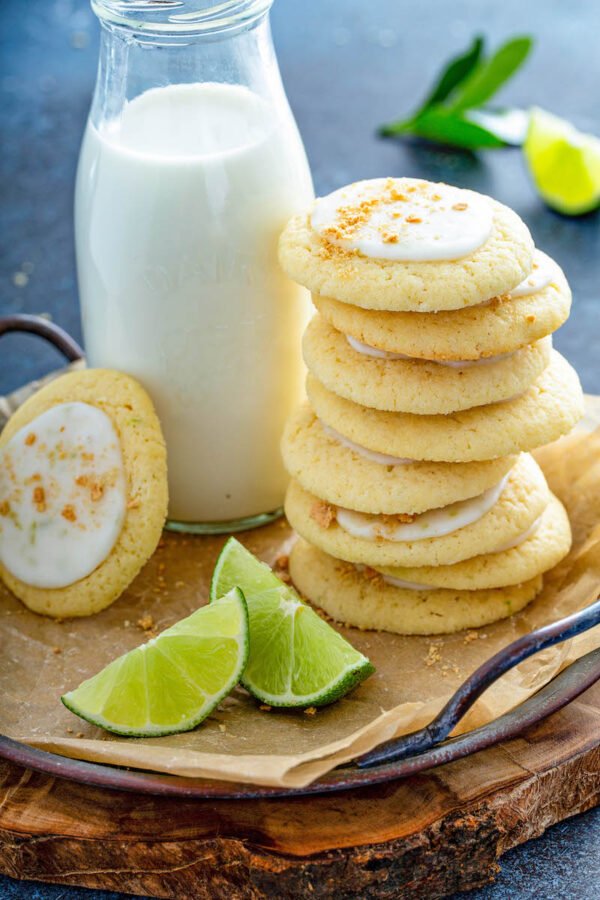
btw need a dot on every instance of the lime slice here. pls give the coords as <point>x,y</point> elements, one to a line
<point>564,163</point>
<point>175,680</point>
<point>296,659</point>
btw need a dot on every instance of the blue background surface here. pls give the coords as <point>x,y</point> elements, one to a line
<point>348,66</point>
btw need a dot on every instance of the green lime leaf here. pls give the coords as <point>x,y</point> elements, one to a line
<point>489,75</point>
<point>453,112</point>
<point>296,658</point>
<point>445,128</point>
<point>454,73</point>
<point>564,163</point>
<point>173,682</point>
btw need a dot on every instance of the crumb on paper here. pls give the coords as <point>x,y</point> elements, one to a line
<point>57,650</point>
<point>470,636</point>
<point>222,728</point>
<point>126,623</point>
<point>434,655</point>
<point>69,730</point>
<point>147,624</point>
<point>323,513</point>
<point>80,734</point>
<point>265,707</point>
<point>179,584</point>
<point>310,711</point>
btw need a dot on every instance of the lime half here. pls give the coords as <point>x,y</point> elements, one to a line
<point>175,680</point>
<point>564,164</point>
<point>296,659</point>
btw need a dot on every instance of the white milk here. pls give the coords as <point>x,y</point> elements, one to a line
<point>179,204</point>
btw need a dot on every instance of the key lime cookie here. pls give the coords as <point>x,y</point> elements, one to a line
<point>331,467</point>
<point>365,600</point>
<point>437,537</point>
<point>550,408</point>
<point>383,381</point>
<point>401,244</point>
<point>83,492</point>
<point>534,309</point>
<point>540,548</point>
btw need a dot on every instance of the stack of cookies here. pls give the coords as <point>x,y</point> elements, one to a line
<point>431,376</point>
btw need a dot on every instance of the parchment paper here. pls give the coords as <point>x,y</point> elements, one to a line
<point>41,658</point>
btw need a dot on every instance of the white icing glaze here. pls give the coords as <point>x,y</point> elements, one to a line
<point>521,538</point>
<point>404,220</point>
<point>381,458</point>
<point>431,524</point>
<point>408,585</point>
<point>398,582</point>
<point>367,350</point>
<point>543,272</point>
<point>63,496</point>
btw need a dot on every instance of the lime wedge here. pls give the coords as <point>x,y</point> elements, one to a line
<point>564,163</point>
<point>175,680</point>
<point>296,659</point>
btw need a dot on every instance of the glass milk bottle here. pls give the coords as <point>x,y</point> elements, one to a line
<point>190,166</point>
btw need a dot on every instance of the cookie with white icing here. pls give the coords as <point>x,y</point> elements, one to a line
<point>539,549</point>
<point>441,537</point>
<point>550,408</point>
<point>501,325</point>
<point>329,466</point>
<point>83,492</point>
<point>363,599</point>
<point>395,384</point>
<point>405,244</point>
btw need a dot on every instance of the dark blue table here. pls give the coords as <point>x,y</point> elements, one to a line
<point>348,65</point>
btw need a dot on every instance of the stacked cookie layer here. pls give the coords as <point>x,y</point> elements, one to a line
<point>431,374</point>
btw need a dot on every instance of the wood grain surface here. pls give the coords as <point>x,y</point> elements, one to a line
<point>423,837</point>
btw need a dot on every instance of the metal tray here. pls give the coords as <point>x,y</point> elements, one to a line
<point>412,753</point>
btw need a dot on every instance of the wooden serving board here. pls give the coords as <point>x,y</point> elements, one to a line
<point>421,837</point>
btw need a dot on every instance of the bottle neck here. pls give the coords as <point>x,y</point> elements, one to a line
<point>177,18</point>
<point>133,61</point>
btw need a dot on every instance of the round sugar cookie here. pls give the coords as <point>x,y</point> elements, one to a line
<point>324,466</point>
<point>551,407</point>
<point>417,385</point>
<point>143,453</point>
<point>502,325</point>
<point>523,499</point>
<point>545,548</point>
<point>499,264</point>
<point>365,601</point>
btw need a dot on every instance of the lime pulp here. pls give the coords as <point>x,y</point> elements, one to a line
<point>296,658</point>
<point>173,682</point>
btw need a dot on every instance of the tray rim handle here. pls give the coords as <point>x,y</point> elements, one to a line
<point>22,323</point>
<point>482,678</point>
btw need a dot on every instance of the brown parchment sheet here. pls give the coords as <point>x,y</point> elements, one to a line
<point>40,659</point>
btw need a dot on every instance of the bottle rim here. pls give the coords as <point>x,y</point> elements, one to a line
<point>179,17</point>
